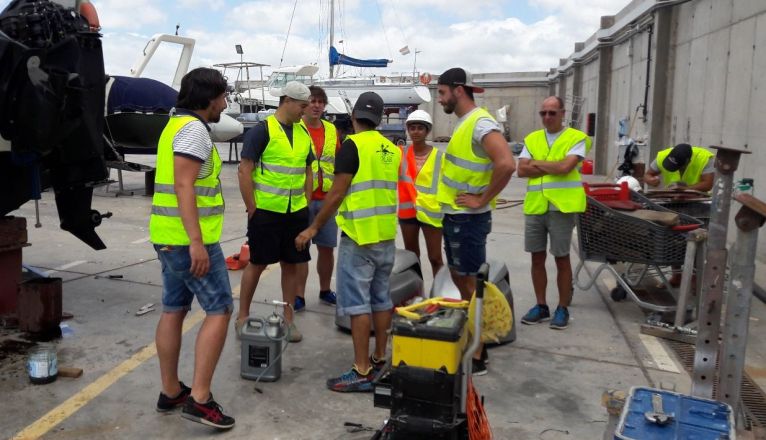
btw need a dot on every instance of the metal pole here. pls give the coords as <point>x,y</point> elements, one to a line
<point>332,30</point>
<point>706,354</point>
<point>693,240</point>
<point>740,292</point>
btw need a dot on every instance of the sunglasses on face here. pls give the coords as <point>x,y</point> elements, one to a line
<point>544,113</point>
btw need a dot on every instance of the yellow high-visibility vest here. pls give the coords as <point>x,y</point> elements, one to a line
<point>324,164</point>
<point>426,207</point>
<point>367,214</point>
<point>280,176</point>
<point>165,225</point>
<point>693,171</point>
<point>464,171</point>
<point>564,191</point>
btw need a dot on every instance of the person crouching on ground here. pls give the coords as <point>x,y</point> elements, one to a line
<point>364,193</point>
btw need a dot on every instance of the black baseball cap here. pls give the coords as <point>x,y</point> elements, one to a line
<point>678,157</point>
<point>369,106</point>
<point>458,76</point>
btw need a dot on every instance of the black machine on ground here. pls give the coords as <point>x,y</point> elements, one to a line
<point>51,112</point>
<point>427,385</point>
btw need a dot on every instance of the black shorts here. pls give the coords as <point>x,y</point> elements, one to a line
<point>271,237</point>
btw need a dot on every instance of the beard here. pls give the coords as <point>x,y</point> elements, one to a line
<point>215,117</point>
<point>449,105</point>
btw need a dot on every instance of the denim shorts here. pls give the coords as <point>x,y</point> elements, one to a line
<point>328,234</point>
<point>558,225</point>
<point>362,279</point>
<point>465,241</point>
<point>179,286</point>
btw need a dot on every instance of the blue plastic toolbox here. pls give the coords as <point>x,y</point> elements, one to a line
<point>685,417</point>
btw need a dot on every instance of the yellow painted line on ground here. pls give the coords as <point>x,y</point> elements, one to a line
<point>44,424</point>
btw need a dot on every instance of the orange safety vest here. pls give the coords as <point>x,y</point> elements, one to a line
<point>407,192</point>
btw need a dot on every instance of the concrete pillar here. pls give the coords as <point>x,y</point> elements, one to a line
<point>661,84</point>
<point>562,91</point>
<point>577,86</point>
<point>552,83</point>
<point>604,138</point>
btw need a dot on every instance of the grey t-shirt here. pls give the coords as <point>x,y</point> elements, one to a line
<point>483,127</point>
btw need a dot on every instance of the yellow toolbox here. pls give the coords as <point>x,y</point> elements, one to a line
<point>434,341</point>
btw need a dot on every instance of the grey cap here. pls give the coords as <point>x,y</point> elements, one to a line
<point>293,89</point>
<point>369,106</point>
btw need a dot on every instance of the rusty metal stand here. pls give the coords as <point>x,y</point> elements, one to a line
<point>706,353</point>
<point>749,219</point>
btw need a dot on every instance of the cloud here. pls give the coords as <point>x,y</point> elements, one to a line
<point>213,5</point>
<point>128,15</point>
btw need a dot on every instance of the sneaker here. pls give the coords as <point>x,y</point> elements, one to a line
<point>352,381</point>
<point>209,413</point>
<point>377,364</point>
<point>299,305</point>
<point>560,319</point>
<point>536,315</point>
<point>478,367</point>
<point>295,334</point>
<point>328,298</point>
<point>165,403</point>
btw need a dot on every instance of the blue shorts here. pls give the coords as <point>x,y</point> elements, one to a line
<point>179,286</point>
<point>362,278</point>
<point>465,241</point>
<point>328,235</point>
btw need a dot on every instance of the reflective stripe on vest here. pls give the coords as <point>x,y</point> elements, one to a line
<point>367,213</point>
<point>165,224</point>
<point>693,171</point>
<point>280,176</point>
<point>565,192</point>
<point>463,171</point>
<point>422,187</point>
<point>324,165</point>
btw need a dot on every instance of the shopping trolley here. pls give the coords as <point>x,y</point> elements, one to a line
<point>692,203</point>
<point>610,236</point>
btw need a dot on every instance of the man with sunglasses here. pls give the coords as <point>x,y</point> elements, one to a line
<point>554,196</point>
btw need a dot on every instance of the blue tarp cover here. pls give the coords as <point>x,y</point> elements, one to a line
<point>142,95</point>
<point>338,58</point>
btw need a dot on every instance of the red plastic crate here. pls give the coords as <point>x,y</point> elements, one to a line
<point>607,191</point>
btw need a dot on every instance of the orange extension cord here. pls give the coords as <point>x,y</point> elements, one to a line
<point>478,423</point>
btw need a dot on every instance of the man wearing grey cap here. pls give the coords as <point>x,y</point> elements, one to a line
<point>683,167</point>
<point>275,181</point>
<point>364,194</point>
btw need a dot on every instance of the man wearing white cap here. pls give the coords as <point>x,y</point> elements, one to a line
<point>275,181</point>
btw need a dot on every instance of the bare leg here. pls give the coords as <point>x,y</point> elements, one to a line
<point>467,285</point>
<point>302,275</point>
<point>433,238</point>
<point>250,278</point>
<point>325,266</point>
<point>207,350</point>
<point>290,285</point>
<point>410,237</point>
<point>382,322</point>
<point>360,333</point>
<point>540,276</point>
<point>168,341</point>
<point>564,280</point>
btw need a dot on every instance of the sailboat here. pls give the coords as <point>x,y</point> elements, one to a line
<point>396,91</point>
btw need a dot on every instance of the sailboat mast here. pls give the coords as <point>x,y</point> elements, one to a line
<point>332,29</point>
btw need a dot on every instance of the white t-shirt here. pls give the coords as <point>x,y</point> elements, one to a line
<point>577,150</point>
<point>193,141</point>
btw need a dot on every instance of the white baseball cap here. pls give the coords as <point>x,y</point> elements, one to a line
<point>293,89</point>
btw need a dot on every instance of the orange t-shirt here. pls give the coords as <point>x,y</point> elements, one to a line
<point>317,136</point>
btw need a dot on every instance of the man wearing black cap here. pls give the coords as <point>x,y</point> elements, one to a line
<point>478,164</point>
<point>683,167</point>
<point>364,192</point>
